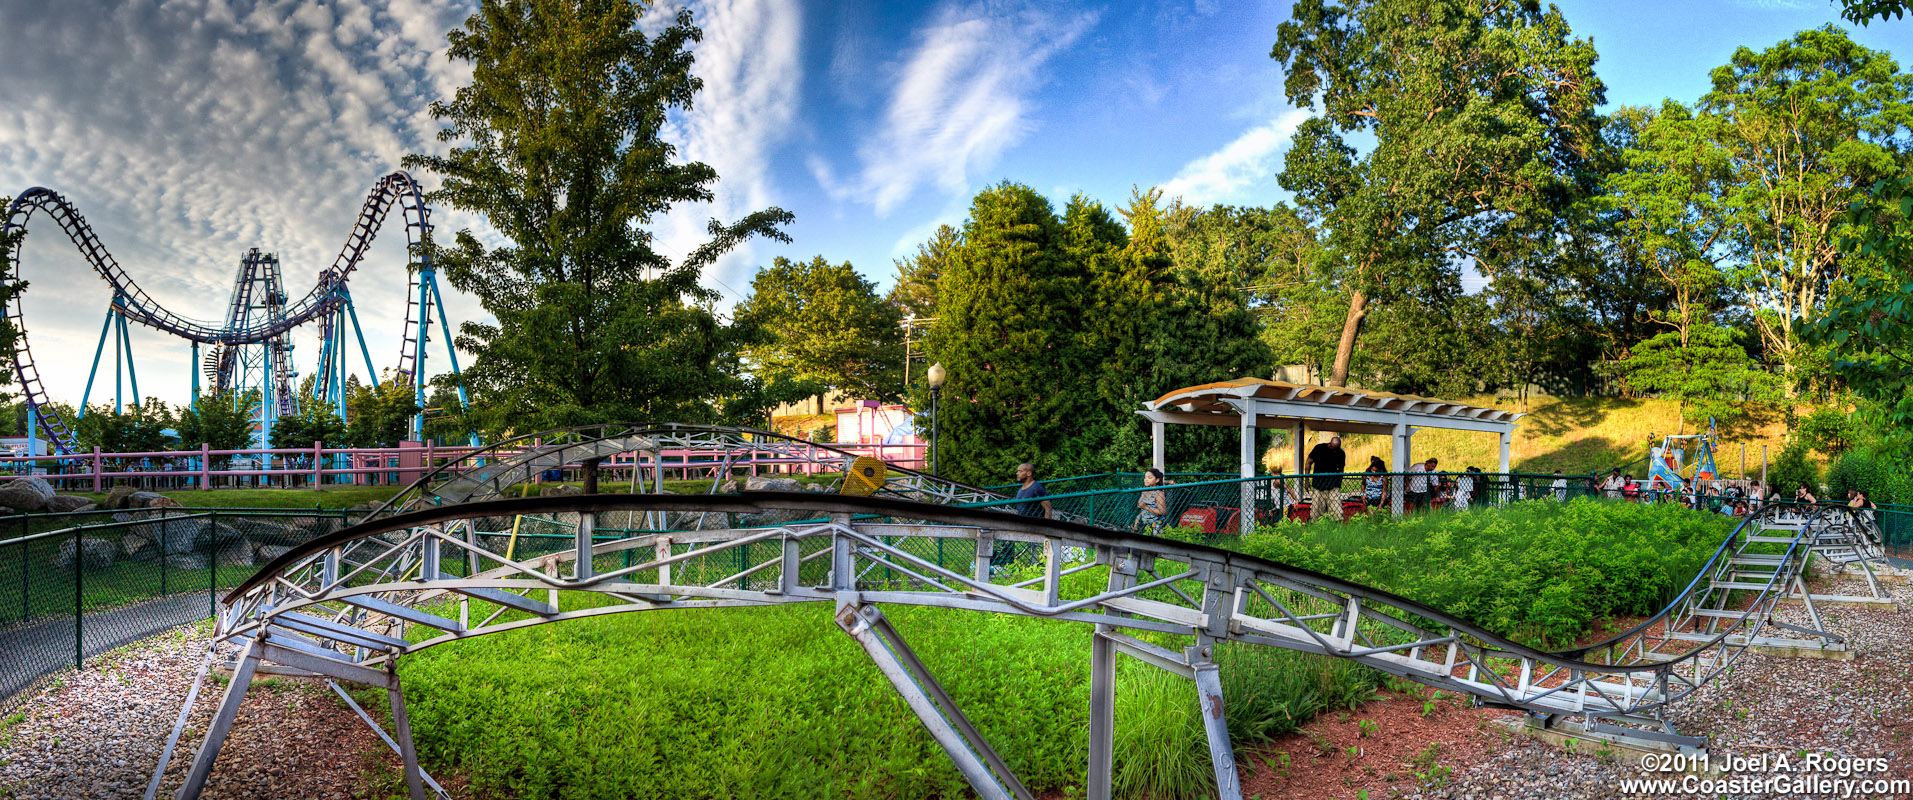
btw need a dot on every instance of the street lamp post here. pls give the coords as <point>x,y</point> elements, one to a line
<point>935,378</point>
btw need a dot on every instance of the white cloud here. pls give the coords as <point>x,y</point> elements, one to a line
<point>1251,160</point>
<point>190,130</point>
<point>750,61</point>
<point>957,103</point>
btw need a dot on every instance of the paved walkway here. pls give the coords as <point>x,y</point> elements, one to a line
<point>33,651</point>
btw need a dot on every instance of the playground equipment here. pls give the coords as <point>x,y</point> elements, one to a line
<point>249,351</point>
<point>348,605</point>
<point>1667,469</point>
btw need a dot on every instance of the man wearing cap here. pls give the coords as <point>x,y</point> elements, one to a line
<point>1326,461</point>
<point>1419,492</point>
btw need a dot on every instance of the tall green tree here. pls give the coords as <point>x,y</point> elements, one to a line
<point>379,416</point>
<point>559,146</point>
<point>915,292</point>
<point>1867,327</point>
<point>824,324</point>
<point>217,421</point>
<point>1806,125</point>
<point>1708,371</point>
<point>1483,121</point>
<point>136,428</point>
<point>316,421</point>
<point>1010,331</point>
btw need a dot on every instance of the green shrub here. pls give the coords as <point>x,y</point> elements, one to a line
<point>1793,470</point>
<point>1829,430</point>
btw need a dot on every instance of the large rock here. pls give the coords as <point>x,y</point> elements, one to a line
<point>150,500</point>
<point>277,531</point>
<point>186,561</point>
<point>560,490</point>
<point>235,554</point>
<point>816,487</point>
<point>68,503</point>
<point>98,553</point>
<point>268,552</point>
<point>773,485</point>
<point>137,547</point>
<point>116,497</point>
<point>27,494</point>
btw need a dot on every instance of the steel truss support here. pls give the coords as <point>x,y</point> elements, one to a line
<point>302,657</point>
<point>980,765</point>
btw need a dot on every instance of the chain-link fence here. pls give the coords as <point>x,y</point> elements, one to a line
<point>73,586</point>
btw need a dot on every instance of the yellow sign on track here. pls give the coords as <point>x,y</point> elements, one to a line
<point>866,475</point>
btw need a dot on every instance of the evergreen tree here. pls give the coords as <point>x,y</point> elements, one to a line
<point>1010,331</point>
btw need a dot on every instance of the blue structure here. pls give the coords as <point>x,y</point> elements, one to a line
<point>250,351</point>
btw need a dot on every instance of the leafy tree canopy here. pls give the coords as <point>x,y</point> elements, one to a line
<point>560,147</point>
<point>217,421</point>
<point>137,428</point>
<point>825,325</point>
<point>1709,372</point>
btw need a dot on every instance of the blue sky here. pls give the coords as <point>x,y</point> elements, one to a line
<point>190,130</point>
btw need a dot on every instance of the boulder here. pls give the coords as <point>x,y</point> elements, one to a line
<point>147,500</point>
<point>277,531</point>
<point>235,554</point>
<point>116,497</point>
<point>186,561</point>
<point>137,547</point>
<point>816,487</point>
<point>268,552</point>
<point>98,553</point>
<point>773,485</point>
<point>27,494</point>
<point>165,502</point>
<point>560,490</point>
<point>68,503</point>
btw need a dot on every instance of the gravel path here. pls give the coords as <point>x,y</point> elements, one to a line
<point>31,652</point>
<point>97,733</point>
<point>1767,706</point>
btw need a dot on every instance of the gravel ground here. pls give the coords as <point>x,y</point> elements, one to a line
<point>1766,707</point>
<point>98,733</point>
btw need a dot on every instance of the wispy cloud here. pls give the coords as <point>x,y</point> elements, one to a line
<point>959,100</point>
<point>190,130</point>
<point>1251,160</point>
<point>750,63</point>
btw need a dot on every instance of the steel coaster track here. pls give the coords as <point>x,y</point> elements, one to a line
<point>138,306</point>
<point>488,473</point>
<point>348,605</point>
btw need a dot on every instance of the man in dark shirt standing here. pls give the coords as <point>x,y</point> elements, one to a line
<point>1325,462</point>
<point>1030,490</point>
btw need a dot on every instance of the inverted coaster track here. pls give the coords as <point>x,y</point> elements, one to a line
<point>328,297</point>
<point>350,605</point>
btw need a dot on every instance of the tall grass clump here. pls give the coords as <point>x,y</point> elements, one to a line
<point>1540,571</point>
<point>749,703</point>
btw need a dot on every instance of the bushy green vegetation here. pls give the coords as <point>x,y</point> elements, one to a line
<point>778,702</point>
<point>756,703</point>
<point>1537,571</point>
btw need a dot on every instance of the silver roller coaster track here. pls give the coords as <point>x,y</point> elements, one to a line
<point>350,605</point>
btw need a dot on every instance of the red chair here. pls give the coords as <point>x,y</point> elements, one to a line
<point>1203,519</point>
<point>1299,512</point>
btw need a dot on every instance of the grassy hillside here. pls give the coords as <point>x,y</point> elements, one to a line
<point>1574,435</point>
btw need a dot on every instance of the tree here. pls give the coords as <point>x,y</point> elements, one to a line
<point>825,325</point>
<point>381,416</point>
<point>915,292</point>
<point>1010,319</point>
<point>317,421</point>
<point>138,428</point>
<point>1863,12</point>
<point>561,150</point>
<point>1865,326</point>
<point>216,421</point>
<point>1828,430</point>
<point>1806,125</point>
<point>1667,203</point>
<point>1792,470</point>
<point>1483,120</point>
<point>1708,372</point>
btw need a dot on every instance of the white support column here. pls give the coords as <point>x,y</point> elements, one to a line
<point>1297,439</point>
<point>1155,447</point>
<point>1246,510</point>
<point>1507,440</point>
<point>1399,455</point>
